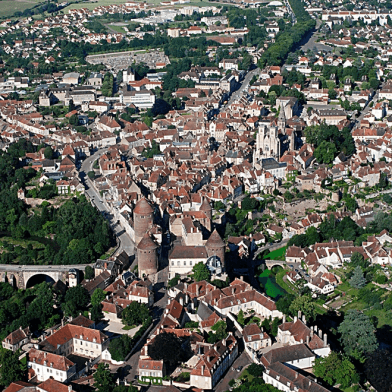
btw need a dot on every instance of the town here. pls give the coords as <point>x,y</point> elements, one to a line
<point>195,196</point>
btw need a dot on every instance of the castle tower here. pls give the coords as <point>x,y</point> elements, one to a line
<point>143,218</point>
<point>147,256</point>
<point>216,247</point>
<point>206,207</point>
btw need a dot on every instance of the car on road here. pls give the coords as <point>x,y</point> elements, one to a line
<point>239,368</point>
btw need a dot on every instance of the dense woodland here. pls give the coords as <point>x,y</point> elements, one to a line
<point>74,233</point>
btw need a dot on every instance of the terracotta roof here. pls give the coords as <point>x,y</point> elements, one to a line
<point>55,361</point>
<point>215,240</point>
<point>147,243</point>
<point>143,207</point>
<point>17,336</point>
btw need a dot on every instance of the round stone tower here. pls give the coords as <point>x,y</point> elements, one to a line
<point>216,247</point>
<point>147,256</point>
<point>143,218</point>
<point>206,208</point>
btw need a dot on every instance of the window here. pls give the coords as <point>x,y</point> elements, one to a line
<point>178,263</point>
<point>190,263</point>
<point>184,262</point>
<point>172,262</point>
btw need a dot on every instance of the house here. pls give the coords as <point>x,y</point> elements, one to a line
<point>46,365</point>
<point>16,339</point>
<point>106,123</point>
<point>75,339</point>
<point>255,339</point>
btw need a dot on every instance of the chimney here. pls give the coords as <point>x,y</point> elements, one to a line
<point>295,318</point>
<point>181,301</point>
<point>296,374</point>
<point>284,319</point>
<point>202,370</point>
<point>320,334</point>
<point>325,340</point>
<point>304,319</point>
<point>299,315</point>
<point>69,388</point>
<point>315,328</point>
<point>311,332</point>
<point>307,340</point>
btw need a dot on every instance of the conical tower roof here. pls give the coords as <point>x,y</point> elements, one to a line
<point>205,205</point>
<point>215,240</point>
<point>143,207</point>
<point>147,243</point>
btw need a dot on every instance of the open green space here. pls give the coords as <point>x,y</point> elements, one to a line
<point>277,254</point>
<point>91,5</point>
<point>8,8</point>
<point>118,29</point>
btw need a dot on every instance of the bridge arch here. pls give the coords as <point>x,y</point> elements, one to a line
<point>272,263</point>
<point>38,278</point>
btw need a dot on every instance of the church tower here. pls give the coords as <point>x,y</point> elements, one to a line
<point>282,119</point>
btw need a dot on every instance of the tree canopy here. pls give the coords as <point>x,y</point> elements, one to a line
<point>336,369</point>
<point>135,313</point>
<point>201,272</point>
<point>357,334</point>
<point>166,347</point>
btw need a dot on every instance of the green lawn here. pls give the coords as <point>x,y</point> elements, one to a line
<point>277,254</point>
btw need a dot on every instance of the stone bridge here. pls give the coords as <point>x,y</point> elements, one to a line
<point>20,275</point>
<point>272,263</point>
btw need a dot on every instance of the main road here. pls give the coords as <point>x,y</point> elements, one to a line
<point>125,242</point>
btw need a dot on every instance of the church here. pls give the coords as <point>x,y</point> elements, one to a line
<point>272,140</point>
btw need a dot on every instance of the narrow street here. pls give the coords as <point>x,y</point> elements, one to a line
<point>125,242</point>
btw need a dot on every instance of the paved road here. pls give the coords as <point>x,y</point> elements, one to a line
<point>32,268</point>
<point>126,243</point>
<point>242,360</point>
<point>244,85</point>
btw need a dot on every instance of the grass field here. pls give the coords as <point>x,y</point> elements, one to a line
<point>118,29</point>
<point>277,254</point>
<point>8,8</point>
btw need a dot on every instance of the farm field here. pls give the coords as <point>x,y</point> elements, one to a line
<point>8,8</point>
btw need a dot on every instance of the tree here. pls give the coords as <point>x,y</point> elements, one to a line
<point>240,318</point>
<point>283,303</point>
<point>135,313</point>
<point>358,280</point>
<point>255,370</point>
<point>74,119</point>
<point>11,369</point>
<point>357,334</point>
<point>305,305</point>
<point>336,369</point>
<point>378,370</point>
<point>166,347</point>
<point>103,380</point>
<point>325,152</point>
<point>89,273</point>
<point>76,299</point>
<point>48,153</point>
<point>91,174</point>
<point>200,272</point>
<point>357,259</point>
<point>120,347</point>
<point>97,297</point>
<point>220,329</point>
